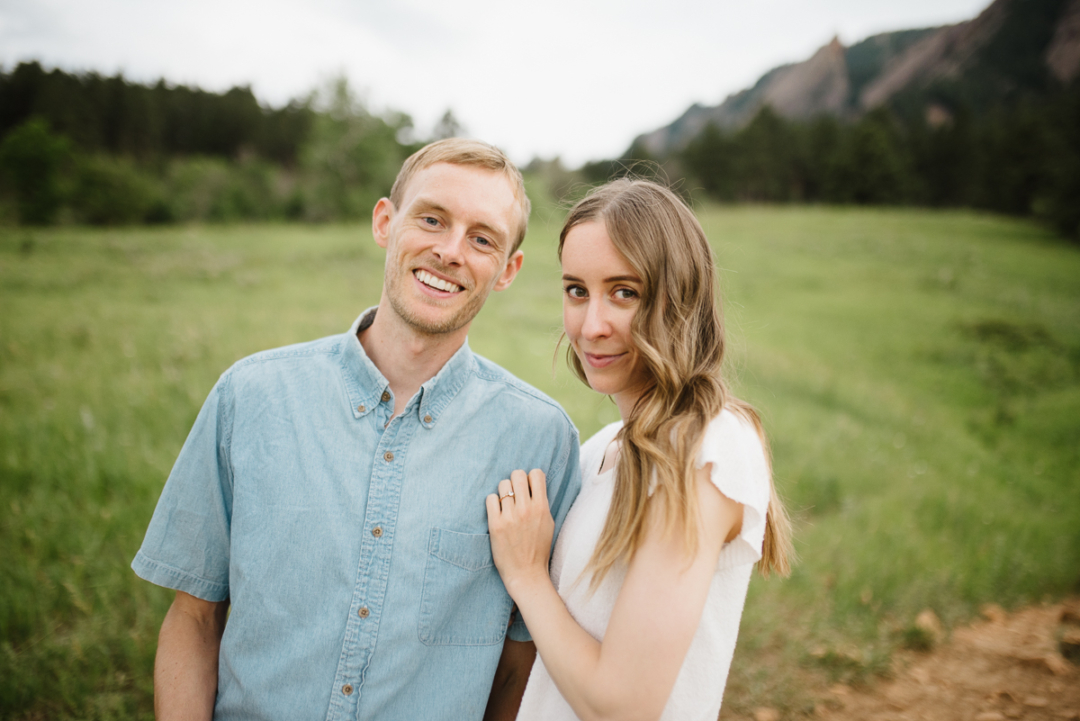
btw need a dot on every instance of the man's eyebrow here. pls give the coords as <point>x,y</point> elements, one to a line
<point>499,233</point>
<point>423,205</point>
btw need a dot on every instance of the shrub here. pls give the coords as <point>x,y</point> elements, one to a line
<point>32,159</point>
<point>111,190</point>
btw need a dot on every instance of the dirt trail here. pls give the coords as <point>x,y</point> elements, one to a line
<point>1008,666</point>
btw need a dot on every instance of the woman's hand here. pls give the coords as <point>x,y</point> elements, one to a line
<point>521,528</point>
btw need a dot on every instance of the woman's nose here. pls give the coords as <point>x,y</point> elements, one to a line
<point>596,323</point>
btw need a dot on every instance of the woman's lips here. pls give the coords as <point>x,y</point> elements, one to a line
<point>601,361</point>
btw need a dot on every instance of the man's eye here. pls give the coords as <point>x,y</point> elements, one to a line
<point>481,240</point>
<point>431,221</point>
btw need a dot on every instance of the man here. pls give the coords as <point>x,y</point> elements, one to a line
<point>329,499</point>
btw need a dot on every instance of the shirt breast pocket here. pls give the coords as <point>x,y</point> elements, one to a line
<point>463,602</point>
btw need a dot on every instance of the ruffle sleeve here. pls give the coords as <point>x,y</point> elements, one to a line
<point>741,472</point>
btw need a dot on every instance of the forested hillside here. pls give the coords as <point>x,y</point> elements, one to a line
<point>111,115</point>
<point>103,150</point>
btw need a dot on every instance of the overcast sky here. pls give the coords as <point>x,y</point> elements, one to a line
<point>574,78</point>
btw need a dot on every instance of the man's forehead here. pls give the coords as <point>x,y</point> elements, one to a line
<point>478,194</point>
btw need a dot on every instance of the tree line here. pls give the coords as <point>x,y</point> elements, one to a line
<point>111,115</point>
<point>1022,159</point>
<point>87,148</point>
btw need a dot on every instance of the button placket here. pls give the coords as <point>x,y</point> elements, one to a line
<point>370,589</point>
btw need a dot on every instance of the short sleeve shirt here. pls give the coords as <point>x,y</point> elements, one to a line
<point>353,546</point>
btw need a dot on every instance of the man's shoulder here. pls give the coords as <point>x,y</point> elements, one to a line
<point>505,382</point>
<point>278,359</point>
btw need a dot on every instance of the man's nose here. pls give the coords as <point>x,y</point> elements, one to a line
<point>450,247</point>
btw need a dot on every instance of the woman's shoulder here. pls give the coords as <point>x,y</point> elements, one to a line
<point>739,468</point>
<point>732,431</point>
<point>593,449</point>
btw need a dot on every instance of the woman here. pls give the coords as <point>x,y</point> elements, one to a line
<point>639,614</point>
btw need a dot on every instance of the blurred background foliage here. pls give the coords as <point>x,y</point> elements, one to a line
<point>105,151</point>
<point>1021,159</point>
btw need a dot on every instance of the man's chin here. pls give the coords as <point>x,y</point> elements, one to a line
<point>434,321</point>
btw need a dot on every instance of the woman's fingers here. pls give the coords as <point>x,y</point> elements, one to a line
<point>538,486</point>
<point>521,528</point>
<point>493,509</point>
<point>520,483</point>
<point>521,494</point>
<point>506,493</point>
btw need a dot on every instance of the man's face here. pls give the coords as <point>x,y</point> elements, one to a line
<point>447,245</point>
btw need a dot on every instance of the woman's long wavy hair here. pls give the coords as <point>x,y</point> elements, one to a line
<point>678,334</point>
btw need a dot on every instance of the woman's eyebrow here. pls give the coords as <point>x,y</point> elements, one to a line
<point>611,279</point>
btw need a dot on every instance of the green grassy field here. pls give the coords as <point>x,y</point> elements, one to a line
<point>918,372</point>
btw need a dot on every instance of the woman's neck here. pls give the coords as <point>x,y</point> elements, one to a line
<point>625,401</point>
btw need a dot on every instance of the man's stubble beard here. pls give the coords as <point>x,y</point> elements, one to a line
<point>394,283</point>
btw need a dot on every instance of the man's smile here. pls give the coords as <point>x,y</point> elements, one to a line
<point>435,282</point>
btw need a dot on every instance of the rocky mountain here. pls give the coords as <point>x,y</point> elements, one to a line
<point>1012,47</point>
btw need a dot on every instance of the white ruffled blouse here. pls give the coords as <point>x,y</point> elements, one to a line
<point>740,471</point>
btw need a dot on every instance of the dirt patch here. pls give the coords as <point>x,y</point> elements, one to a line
<point>1009,666</point>
<point>1022,665</point>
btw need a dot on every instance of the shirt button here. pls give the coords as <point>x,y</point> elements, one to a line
<point>427,419</point>
<point>363,612</point>
<point>389,456</point>
<point>377,531</point>
<point>360,409</point>
<point>385,396</point>
<point>347,689</point>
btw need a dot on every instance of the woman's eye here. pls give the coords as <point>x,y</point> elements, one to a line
<point>575,291</point>
<point>625,294</point>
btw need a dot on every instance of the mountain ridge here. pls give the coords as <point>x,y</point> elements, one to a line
<point>1012,46</point>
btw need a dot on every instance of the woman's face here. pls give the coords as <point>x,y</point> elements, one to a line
<point>601,294</point>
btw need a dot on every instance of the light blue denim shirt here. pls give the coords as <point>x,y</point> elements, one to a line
<point>353,547</point>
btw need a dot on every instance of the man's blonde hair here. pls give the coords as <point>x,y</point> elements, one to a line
<point>461,151</point>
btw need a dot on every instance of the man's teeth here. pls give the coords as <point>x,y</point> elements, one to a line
<point>428,279</point>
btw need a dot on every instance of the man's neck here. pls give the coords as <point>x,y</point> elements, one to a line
<point>405,357</point>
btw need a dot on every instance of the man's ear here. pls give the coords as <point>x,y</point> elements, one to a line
<point>380,221</point>
<point>513,265</point>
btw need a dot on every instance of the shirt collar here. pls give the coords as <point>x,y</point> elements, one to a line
<point>366,385</point>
